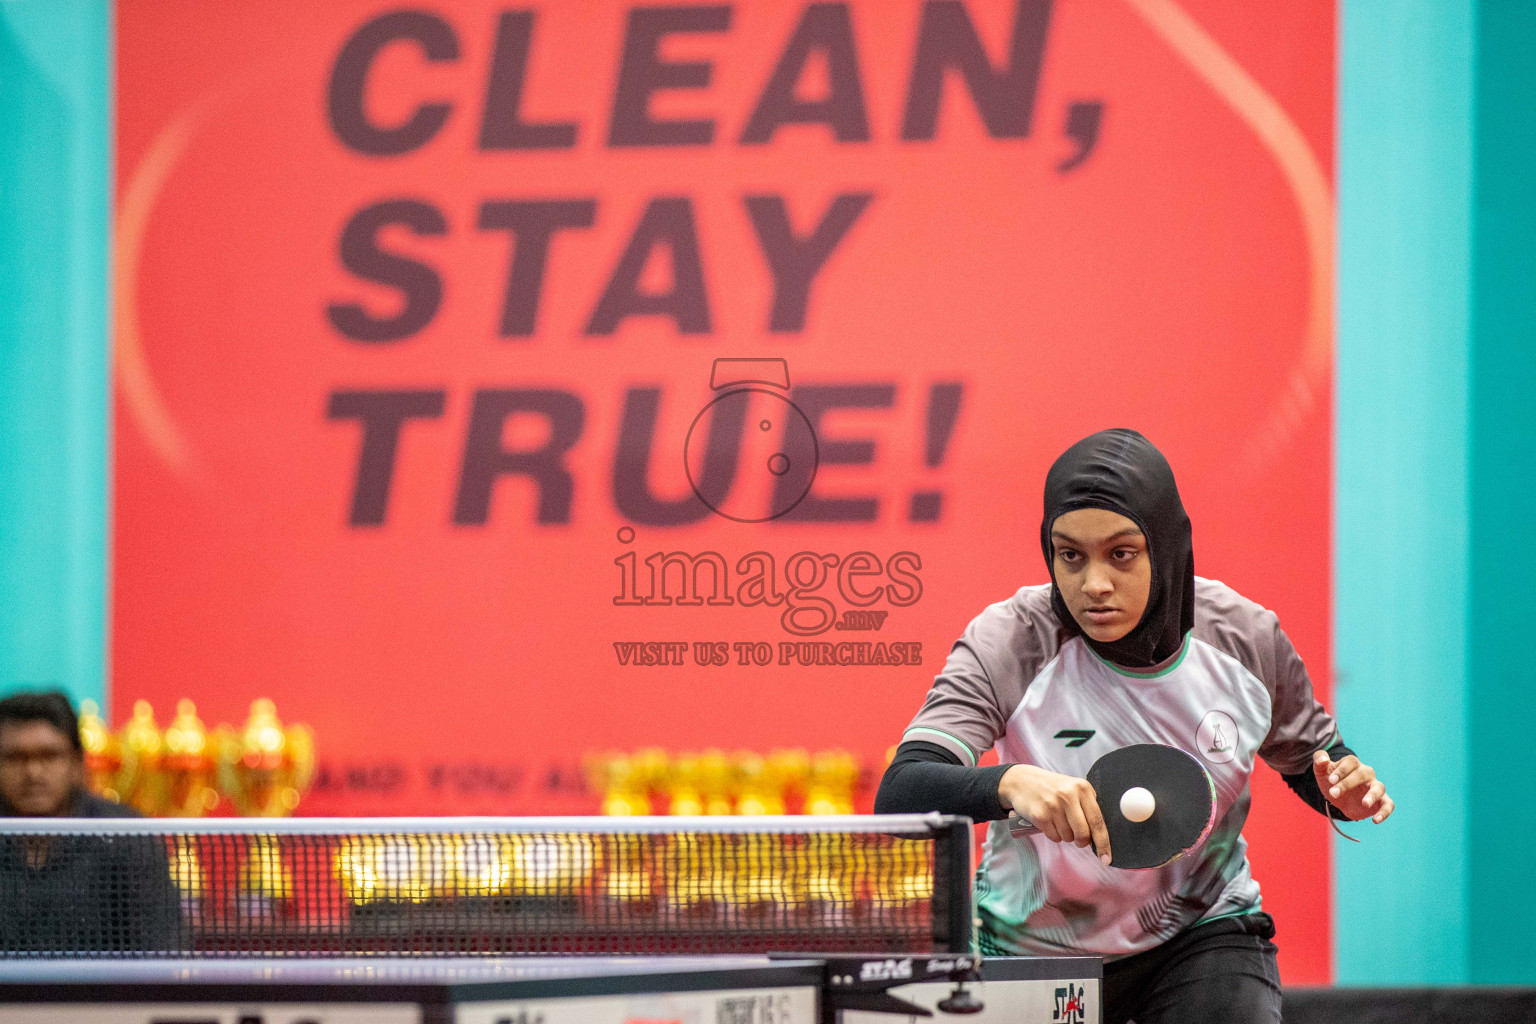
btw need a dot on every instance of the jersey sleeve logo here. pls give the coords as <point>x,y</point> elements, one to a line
<point>1216,739</point>
<point>1075,737</point>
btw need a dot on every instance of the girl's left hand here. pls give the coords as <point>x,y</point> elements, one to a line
<point>1352,787</point>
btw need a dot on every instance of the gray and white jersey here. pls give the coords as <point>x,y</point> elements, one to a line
<point>1015,682</point>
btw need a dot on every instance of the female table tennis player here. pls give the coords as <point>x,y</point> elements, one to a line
<point>1125,645</point>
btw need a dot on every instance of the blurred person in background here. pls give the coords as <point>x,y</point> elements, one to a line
<point>66,893</point>
<point>42,764</point>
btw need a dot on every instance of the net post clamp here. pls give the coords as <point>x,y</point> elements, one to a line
<point>863,983</point>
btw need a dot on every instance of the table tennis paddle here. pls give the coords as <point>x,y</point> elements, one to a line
<point>1182,804</point>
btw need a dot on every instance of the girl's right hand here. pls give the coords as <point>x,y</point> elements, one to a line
<point>1065,809</point>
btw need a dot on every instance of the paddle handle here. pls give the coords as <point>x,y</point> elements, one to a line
<point>1020,827</point>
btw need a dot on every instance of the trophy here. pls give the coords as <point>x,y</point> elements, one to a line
<point>789,770</point>
<point>648,770</point>
<point>263,881</point>
<point>628,783</point>
<point>759,793</point>
<point>265,768</point>
<point>187,766</point>
<point>702,876</point>
<point>715,782</point>
<point>186,869</point>
<point>829,789</point>
<point>622,782</point>
<point>139,745</point>
<point>756,863</point>
<point>629,868</point>
<point>906,875</point>
<point>681,786</point>
<point>103,753</point>
<point>380,869</point>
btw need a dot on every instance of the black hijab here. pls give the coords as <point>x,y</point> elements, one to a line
<point>1121,471</point>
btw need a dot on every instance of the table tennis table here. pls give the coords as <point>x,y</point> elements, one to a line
<point>772,920</point>
<point>547,990</point>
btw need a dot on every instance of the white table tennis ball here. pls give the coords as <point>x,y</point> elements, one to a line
<point>1137,804</point>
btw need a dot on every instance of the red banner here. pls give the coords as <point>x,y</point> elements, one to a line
<point>499,385</point>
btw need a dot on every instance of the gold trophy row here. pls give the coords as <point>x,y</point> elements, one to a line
<point>652,781</point>
<point>186,771</point>
<point>682,869</point>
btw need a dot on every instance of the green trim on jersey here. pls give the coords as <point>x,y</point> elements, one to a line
<point>1183,650</point>
<point>1255,909</point>
<point>939,732</point>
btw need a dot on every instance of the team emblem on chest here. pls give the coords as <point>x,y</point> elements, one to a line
<point>1216,739</point>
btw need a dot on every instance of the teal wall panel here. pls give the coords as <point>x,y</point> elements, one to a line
<point>1401,487</point>
<point>1502,708</point>
<point>1436,485</point>
<point>1435,470</point>
<point>55,189</point>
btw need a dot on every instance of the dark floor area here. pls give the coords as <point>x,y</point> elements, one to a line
<point>1470,1005</point>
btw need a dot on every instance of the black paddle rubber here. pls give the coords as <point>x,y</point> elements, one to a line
<point>1185,803</point>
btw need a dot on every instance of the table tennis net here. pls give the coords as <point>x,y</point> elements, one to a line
<point>328,887</point>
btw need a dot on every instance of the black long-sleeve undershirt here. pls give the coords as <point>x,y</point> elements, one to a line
<point>1304,784</point>
<point>926,777</point>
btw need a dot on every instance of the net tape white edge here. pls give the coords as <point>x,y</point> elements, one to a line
<point>917,824</point>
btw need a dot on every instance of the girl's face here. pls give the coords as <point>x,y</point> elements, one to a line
<point>1103,571</point>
